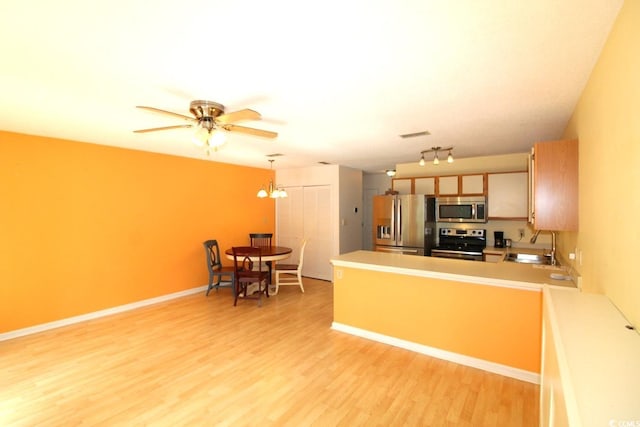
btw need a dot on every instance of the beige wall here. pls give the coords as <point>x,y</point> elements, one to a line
<point>607,123</point>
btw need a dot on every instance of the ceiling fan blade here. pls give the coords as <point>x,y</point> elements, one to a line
<point>170,113</point>
<point>162,128</point>
<point>237,116</point>
<point>250,131</point>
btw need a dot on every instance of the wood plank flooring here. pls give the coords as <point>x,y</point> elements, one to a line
<point>199,361</point>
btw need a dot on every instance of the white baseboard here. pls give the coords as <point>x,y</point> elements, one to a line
<point>97,314</point>
<point>461,359</point>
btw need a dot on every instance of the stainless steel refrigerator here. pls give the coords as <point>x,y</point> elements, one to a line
<point>404,224</point>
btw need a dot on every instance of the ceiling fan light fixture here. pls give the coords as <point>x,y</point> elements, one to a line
<point>200,136</point>
<point>391,172</point>
<point>421,162</point>
<point>450,157</point>
<point>436,161</point>
<point>216,138</point>
<point>209,122</point>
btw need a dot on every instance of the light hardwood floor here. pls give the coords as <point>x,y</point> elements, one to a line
<point>199,361</point>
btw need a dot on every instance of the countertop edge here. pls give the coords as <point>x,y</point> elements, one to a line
<point>488,281</point>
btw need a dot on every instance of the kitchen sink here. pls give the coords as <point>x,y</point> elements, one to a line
<point>528,258</point>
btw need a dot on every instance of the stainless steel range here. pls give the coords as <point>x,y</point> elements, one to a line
<point>461,243</point>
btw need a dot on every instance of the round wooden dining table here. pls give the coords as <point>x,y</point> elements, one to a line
<point>269,253</point>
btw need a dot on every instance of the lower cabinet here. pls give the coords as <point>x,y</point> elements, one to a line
<point>590,371</point>
<point>553,408</point>
<point>492,257</point>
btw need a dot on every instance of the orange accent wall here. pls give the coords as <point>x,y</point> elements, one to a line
<point>497,324</point>
<point>85,227</point>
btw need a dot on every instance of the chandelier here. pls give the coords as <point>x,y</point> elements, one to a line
<point>274,192</point>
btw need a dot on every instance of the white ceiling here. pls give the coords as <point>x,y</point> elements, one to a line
<point>338,80</point>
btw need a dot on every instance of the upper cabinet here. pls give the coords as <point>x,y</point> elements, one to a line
<point>462,185</point>
<point>402,185</point>
<point>507,195</point>
<point>448,186</point>
<point>554,186</point>
<point>453,185</point>
<point>425,186</point>
<point>473,184</point>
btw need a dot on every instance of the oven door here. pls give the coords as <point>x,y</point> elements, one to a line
<point>444,253</point>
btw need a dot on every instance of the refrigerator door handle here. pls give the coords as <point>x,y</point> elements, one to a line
<point>393,220</point>
<point>399,239</point>
<point>398,250</point>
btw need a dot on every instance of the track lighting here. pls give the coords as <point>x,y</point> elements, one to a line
<point>435,150</point>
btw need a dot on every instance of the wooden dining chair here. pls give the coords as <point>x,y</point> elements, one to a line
<point>290,274</point>
<point>247,264</point>
<point>220,276</point>
<point>262,240</point>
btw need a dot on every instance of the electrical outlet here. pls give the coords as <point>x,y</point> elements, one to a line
<point>521,231</point>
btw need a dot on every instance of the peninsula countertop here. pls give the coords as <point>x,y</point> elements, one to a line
<point>508,274</point>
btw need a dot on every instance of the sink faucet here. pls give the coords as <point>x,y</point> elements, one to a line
<point>553,245</point>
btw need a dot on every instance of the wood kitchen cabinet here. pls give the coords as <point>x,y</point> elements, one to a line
<point>452,185</point>
<point>402,185</point>
<point>425,185</point>
<point>554,186</point>
<point>507,195</point>
<point>448,186</point>
<point>462,185</point>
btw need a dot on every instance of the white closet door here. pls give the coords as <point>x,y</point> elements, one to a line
<point>290,224</point>
<point>318,231</point>
<point>306,213</point>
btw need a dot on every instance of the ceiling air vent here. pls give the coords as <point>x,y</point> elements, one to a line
<point>412,135</point>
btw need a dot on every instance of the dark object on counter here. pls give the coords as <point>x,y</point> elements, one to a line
<point>498,239</point>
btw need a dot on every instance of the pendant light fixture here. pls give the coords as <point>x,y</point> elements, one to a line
<point>436,160</point>
<point>274,192</point>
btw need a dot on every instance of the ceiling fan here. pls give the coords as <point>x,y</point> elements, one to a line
<point>210,121</point>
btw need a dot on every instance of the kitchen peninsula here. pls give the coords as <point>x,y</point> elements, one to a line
<point>480,314</point>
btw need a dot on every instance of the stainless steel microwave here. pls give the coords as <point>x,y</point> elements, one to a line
<point>461,209</point>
